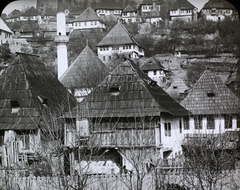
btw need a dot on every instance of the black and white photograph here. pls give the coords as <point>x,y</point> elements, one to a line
<point>120,95</point>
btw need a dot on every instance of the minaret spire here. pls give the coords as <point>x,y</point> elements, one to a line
<point>61,39</point>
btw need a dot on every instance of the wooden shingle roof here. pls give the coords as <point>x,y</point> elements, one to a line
<point>235,75</point>
<point>128,8</point>
<point>127,92</point>
<point>86,71</point>
<point>182,4</point>
<point>88,15</point>
<point>219,4</point>
<point>27,83</point>
<point>118,35</point>
<point>210,95</point>
<point>31,12</point>
<point>150,64</point>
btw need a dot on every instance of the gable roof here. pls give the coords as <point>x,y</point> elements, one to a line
<point>88,15</point>
<point>4,27</point>
<point>127,92</point>
<point>15,14</point>
<point>31,12</point>
<point>150,64</point>
<point>118,35</point>
<point>128,8</point>
<point>27,81</point>
<point>221,99</point>
<point>219,4</point>
<point>86,71</point>
<point>182,4</point>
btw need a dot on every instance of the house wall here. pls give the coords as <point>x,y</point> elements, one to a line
<point>186,15</point>
<point>88,25</point>
<point>103,12</point>
<point>131,19</point>
<point>219,126</point>
<point>146,9</point>
<point>5,37</point>
<point>216,14</point>
<point>106,53</point>
<point>80,93</point>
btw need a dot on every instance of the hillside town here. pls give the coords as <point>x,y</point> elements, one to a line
<point>130,95</point>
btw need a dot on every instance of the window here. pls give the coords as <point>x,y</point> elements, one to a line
<point>186,123</point>
<point>238,121</point>
<point>114,90</point>
<point>228,121</point>
<point>180,126</point>
<point>15,106</point>
<point>167,127</point>
<point>210,122</point>
<point>198,122</point>
<point>104,58</point>
<point>110,57</point>
<point>82,128</point>
<point>154,72</point>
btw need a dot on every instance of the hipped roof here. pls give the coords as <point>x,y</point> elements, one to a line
<point>27,81</point>
<point>31,12</point>
<point>182,4</point>
<point>221,99</point>
<point>86,71</point>
<point>128,8</point>
<point>88,15</point>
<point>219,4</point>
<point>118,35</point>
<point>151,64</point>
<point>138,96</point>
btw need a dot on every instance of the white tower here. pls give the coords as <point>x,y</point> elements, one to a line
<point>61,39</point>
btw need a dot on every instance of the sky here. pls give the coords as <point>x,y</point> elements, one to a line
<point>23,4</point>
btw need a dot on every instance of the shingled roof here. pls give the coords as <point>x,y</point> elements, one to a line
<point>88,15</point>
<point>128,8</point>
<point>31,12</point>
<point>127,92</point>
<point>117,36</point>
<point>219,4</point>
<point>235,75</point>
<point>86,71</point>
<point>182,4</point>
<point>210,95</point>
<point>27,85</point>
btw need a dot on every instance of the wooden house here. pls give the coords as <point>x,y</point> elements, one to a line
<point>5,33</point>
<point>84,74</point>
<point>118,41</point>
<point>127,114</point>
<point>110,9</point>
<point>88,20</point>
<point>214,107</point>
<point>31,14</point>
<point>29,93</point>
<point>13,16</point>
<point>184,10</point>
<point>217,10</point>
<point>130,15</point>
<point>149,8</point>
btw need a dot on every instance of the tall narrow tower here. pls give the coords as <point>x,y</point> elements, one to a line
<point>61,39</point>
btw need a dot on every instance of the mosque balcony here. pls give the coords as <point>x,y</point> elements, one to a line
<point>61,39</point>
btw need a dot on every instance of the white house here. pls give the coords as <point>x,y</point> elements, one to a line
<point>110,10</point>
<point>216,10</point>
<point>130,15</point>
<point>31,14</point>
<point>5,33</point>
<point>88,20</point>
<point>214,107</point>
<point>147,7</point>
<point>118,41</point>
<point>184,10</point>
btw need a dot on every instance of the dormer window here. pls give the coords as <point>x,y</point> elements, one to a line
<point>15,106</point>
<point>210,94</point>
<point>114,90</point>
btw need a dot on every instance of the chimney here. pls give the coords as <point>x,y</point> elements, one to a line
<point>61,39</point>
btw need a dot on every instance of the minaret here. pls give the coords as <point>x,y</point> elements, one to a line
<point>61,39</point>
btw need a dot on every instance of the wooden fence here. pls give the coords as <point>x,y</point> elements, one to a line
<point>106,182</point>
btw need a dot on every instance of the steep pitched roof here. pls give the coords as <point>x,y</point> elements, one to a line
<point>28,83</point>
<point>88,15</point>
<point>128,8</point>
<point>118,35</point>
<point>210,95</point>
<point>31,12</point>
<point>86,71</point>
<point>127,92</point>
<point>182,4</point>
<point>149,2</point>
<point>4,27</point>
<point>151,64</point>
<point>15,14</point>
<point>219,4</point>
